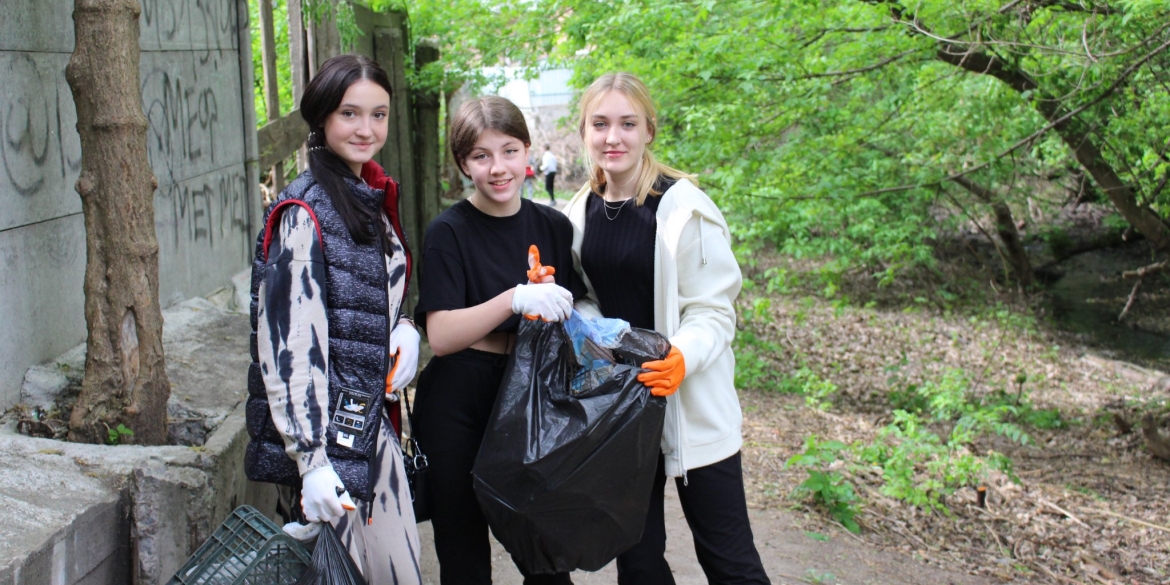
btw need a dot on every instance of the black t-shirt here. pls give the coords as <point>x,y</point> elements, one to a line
<point>470,257</point>
<point>617,254</point>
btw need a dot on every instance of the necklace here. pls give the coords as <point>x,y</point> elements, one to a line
<point>618,207</point>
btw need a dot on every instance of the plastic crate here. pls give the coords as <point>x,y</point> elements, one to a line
<point>246,548</point>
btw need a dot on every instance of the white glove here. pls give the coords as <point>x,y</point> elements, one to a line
<point>319,499</point>
<point>546,300</point>
<point>404,346</point>
<point>305,533</point>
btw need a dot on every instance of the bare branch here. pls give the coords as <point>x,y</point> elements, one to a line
<point>1085,41</point>
<point>1145,271</point>
<point>857,71</point>
<point>1129,301</point>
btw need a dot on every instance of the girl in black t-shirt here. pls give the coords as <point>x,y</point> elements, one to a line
<point>473,289</point>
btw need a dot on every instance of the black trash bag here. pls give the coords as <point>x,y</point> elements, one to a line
<point>567,463</point>
<point>332,564</point>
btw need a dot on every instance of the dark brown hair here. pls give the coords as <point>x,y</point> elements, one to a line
<point>322,97</point>
<point>479,115</point>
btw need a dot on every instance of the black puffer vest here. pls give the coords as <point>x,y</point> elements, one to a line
<point>356,307</point>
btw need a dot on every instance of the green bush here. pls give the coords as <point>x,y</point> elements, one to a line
<point>827,488</point>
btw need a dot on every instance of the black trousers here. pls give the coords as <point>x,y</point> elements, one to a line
<point>454,401</point>
<point>549,179</point>
<point>716,510</point>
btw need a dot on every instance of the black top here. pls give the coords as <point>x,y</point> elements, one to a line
<point>617,254</point>
<point>469,257</point>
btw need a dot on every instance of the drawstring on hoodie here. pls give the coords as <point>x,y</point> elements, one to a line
<point>702,249</point>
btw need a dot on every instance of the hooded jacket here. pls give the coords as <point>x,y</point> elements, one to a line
<point>696,281</point>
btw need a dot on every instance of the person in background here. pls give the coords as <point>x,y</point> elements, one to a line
<point>655,251</point>
<point>331,348</point>
<point>548,166</point>
<point>473,289</point>
<point>530,177</point>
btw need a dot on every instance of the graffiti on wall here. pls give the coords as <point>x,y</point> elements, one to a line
<point>194,144</point>
<point>211,210</point>
<point>33,133</point>
<point>210,25</point>
<point>182,117</point>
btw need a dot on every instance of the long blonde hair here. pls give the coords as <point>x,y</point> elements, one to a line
<point>635,91</point>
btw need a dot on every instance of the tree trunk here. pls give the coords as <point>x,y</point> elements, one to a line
<point>1072,132</point>
<point>1005,227</point>
<point>125,373</point>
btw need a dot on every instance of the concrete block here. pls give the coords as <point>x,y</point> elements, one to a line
<point>207,357</point>
<point>242,284</point>
<point>168,518</point>
<point>97,534</point>
<point>37,569</point>
<point>36,26</point>
<point>114,569</point>
<point>41,299</point>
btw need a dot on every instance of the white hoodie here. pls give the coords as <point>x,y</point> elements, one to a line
<point>696,280</point>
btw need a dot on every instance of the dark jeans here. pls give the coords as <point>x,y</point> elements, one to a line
<point>454,401</point>
<point>549,178</point>
<point>716,510</point>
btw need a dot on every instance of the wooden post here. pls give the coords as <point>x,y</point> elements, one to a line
<point>397,156</point>
<point>324,40</point>
<point>311,26</point>
<point>298,60</point>
<point>271,89</point>
<point>426,139</point>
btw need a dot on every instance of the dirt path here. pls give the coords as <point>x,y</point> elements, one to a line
<point>791,556</point>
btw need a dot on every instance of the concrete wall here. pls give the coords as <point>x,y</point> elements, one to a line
<point>197,95</point>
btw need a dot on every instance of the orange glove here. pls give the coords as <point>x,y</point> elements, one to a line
<point>390,376</point>
<point>665,375</point>
<point>536,272</point>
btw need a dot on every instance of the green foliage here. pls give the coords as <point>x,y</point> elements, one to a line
<point>1058,240</point>
<point>336,11</point>
<point>827,488</point>
<point>815,389</point>
<point>283,71</point>
<point>754,367</point>
<point>118,434</point>
<point>829,129</point>
<point>921,468</point>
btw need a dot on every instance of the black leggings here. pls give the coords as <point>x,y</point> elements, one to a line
<point>549,179</point>
<point>454,401</point>
<point>716,510</point>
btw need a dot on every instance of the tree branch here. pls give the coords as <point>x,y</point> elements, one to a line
<point>857,71</point>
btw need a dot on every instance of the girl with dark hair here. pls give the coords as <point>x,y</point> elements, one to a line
<point>473,289</point>
<point>655,251</point>
<point>331,347</point>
